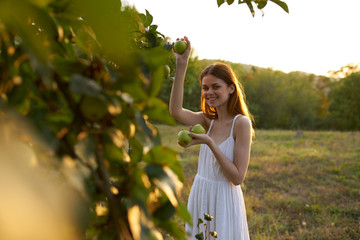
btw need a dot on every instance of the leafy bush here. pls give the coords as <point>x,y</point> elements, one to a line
<point>86,75</point>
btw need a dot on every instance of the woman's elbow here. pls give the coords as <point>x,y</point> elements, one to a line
<point>239,180</point>
<point>174,113</point>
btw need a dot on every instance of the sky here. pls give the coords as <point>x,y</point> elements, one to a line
<point>316,36</point>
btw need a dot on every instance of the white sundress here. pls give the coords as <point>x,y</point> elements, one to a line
<point>213,194</point>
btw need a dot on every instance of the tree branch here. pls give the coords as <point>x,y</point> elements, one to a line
<point>113,204</point>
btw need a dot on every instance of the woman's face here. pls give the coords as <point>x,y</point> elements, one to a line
<point>215,91</point>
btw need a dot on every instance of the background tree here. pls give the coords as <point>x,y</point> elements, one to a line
<point>344,103</point>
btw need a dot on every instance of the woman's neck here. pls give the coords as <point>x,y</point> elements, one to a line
<point>223,115</point>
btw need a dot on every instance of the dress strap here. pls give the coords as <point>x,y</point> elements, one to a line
<point>233,123</point>
<point>212,121</point>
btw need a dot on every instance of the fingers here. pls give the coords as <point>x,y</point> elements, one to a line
<point>185,146</point>
<point>185,54</point>
<point>185,38</point>
<point>191,134</point>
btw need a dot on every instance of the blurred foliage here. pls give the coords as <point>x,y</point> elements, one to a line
<point>86,75</point>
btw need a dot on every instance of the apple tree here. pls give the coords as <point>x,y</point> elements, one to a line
<point>86,74</point>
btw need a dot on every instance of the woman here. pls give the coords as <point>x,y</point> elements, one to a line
<point>225,148</point>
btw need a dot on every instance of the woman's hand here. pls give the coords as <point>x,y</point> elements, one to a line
<point>184,57</point>
<point>198,139</point>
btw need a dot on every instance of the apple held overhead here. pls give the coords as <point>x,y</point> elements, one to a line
<point>180,46</point>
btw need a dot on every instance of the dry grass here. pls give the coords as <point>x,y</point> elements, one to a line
<point>298,186</point>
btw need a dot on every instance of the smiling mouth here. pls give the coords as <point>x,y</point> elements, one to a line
<point>211,99</point>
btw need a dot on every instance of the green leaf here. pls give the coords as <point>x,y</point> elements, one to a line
<point>135,150</point>
<point>168,46</point>
<point>40,3</point>
<point>155,171</point>
<point>61,116</point>
<point>153,28</point>
<point>18,94</point>
<point>85,38</point>
<point>220,2</point>
<point>167,157</point>
<point>80,84</point>
<point>159,177</point>
<point>250,6</point>
<point>146,19</point>
<point>85,148</point>
<point>183,213</point>
<point>151,37</point>
<point>173,229</point>
<point>282,4</point>
<point>165,211</point>
<point>200,221</point>
<point>199,236</point>
<point>145,127</point>
<point>106,235</point>
<point>142,18</point>
<point>214,234</point>
<point>155,57</point>
<point>33,40</point>
<point>66,67</point>
<point>149,19</point>
<point>229,2</point>
<point>113,153</point>
<point>261,3</point>
<point>134,91</point>
<point>157,110</point>
<point>208,217</point>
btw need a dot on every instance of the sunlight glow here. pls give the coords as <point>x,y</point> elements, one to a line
<point>315,37</point>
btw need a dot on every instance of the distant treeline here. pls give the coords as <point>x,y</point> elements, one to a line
<point>294,100</point>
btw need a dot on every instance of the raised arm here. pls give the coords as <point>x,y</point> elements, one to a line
<point>176,109</point>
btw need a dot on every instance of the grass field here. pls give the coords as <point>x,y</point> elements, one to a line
<point>299,185</point>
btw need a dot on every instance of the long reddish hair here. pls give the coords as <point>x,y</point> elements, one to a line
<point>237,100</point>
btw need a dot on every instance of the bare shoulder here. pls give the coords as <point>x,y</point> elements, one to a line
<point>242,126</point>
<point>243,122</point>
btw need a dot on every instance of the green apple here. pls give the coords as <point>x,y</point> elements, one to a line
<point>167,70</point>
<point>93,108</point>
<point>198,128</point>
<point>184,138</point>
<point>180,46</point>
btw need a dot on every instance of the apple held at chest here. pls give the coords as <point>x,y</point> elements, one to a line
<point>198,129</point>
<point>184,138</point>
